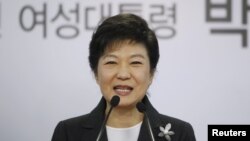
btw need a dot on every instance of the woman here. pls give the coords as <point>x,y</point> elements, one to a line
<point>123,56</point>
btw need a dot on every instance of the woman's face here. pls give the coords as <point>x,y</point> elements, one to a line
<point>124,71</point>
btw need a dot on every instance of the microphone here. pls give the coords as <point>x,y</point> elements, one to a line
<point>114,102</point>
<point>141,108</point>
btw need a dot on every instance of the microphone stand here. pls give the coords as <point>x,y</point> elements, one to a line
<point>141,108</point>
<point>103,124</point>
<point>114,102</point>
<point>149,127</point>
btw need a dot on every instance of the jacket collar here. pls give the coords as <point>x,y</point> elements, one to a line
<point>96,116</point>
<point>152,113</point>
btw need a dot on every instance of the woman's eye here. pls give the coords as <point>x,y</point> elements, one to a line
<point>110,62</point>
<point>136,62</point>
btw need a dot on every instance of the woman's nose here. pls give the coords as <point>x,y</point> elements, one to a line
<point>123,73</point>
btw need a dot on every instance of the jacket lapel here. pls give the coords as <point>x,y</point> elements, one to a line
<point>93,123</point>
<point>154,120</point>
<point>144,134</point>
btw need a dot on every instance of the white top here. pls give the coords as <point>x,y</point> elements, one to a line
<point>123,134</point>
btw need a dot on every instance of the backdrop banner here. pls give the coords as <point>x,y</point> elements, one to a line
<point>203,75</point>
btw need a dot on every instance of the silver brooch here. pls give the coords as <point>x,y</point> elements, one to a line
<point>165,132</point>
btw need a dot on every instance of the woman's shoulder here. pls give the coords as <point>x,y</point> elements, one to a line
<point>173,120</point>
<point>88,120</point>
<point>75,121</point>
<point>72,128</point>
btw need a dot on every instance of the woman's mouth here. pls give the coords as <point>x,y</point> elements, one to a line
<point>123,90</point>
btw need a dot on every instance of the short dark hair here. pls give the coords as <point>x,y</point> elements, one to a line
<point>123,27</point>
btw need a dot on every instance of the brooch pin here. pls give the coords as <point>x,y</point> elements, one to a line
<point>165,132</point>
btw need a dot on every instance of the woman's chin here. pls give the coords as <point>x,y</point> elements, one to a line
<point>126,104</point>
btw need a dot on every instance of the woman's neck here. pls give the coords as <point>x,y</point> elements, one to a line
<point>124,117</point>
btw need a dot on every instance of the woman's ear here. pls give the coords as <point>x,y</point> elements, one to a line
<point>152,76</point>
<point>96,78</point>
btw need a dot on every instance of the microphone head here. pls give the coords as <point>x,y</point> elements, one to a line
<point>115,101</point>
<point>141,107</point>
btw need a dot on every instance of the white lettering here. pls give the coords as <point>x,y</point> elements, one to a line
<point>244,133</point>
<point>215,131</point>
